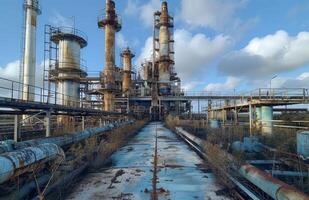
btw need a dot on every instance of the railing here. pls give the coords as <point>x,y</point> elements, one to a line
<point>69,30</point>
<point>70,65</point>
<point>102,16</point>
<point>275,95</point>
<point>209,93</point>
<point>13,90</point>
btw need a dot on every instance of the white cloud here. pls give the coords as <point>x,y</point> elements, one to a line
<point>147,10</point>
<point>194,53</point>
<point>10,71</point>
<point>263,57</point>
<point>59,20</point>
<point>301,81</point>
<point>216,14</point>
<point>121,41</point>
<point>230,84</point>
<point>132,7</point>
<point>144,11</point>
<point>146,52</point>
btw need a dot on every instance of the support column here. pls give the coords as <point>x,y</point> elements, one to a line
<point>47,123</point>
<point>250,118</point>
<point>83,123</point>
<point>16,128</point>
<point>267,117</point>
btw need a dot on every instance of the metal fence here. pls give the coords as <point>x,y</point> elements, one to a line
<point>13,90</point>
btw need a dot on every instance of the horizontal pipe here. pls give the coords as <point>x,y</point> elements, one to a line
<point>270,185</point>
<point>195,143</point>
<point>287,173</point>
<point>72,138</point>
<point>18,162</point>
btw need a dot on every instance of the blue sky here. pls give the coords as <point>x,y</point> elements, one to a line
<point>220,44</point>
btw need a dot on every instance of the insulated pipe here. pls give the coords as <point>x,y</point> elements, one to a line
<point>32,10</point>
<point>271,186</point>
<point>264,181</point>
<point>74,138</point>
<point>18,162</point>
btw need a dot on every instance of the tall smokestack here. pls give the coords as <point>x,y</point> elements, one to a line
<point>164,50</point>
<point>111,25</point>
<point>32,10</point>
<point>127,56</point>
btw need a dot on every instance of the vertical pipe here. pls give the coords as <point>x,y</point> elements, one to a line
<point>250,118</point>
<point>16,128</point>
<point>47,123</point>
<point>83,123</point>
<point>31,8</point>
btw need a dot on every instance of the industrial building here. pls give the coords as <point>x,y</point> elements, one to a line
<point>75,136</point>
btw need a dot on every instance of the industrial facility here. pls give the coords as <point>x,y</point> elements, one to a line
<point>134,134</point>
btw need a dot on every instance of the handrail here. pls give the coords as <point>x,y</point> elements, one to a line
<point>11,89</point>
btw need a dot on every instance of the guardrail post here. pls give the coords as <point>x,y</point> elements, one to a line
<point>41,95</point>
<point>12,95</point>
<point>55,97</point>
<point>28,91</point>
<point>83,123</point>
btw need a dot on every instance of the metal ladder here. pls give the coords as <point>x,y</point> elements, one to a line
<point>50,60</point>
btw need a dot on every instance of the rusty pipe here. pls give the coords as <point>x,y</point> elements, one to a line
<point>264,181</point>
<point>270,185</point>
<point>15,163</point>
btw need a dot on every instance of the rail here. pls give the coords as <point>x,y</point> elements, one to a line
<point>69,30</point>
<point>13,90</point>
<point>270,95</point>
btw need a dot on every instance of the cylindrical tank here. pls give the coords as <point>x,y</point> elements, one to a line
<point>303,144</point>
<point>29,58</point>
<point>69,57</point>
<point>214,123</point>
<point>267,117</point>
<point>69,71</point>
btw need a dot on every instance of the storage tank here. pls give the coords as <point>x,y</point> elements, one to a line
<point>68,70</point>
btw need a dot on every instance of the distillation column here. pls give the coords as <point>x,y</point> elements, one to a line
<point>68,70</point>
<point>127,56</point>
<point>111,24</point>
<point>32,10</point>
<point>165,61</point>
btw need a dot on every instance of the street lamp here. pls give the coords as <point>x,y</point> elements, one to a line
<point>270,83</point>
<point>271,80</point>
